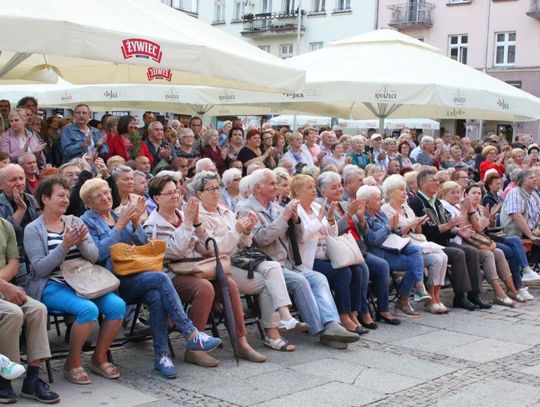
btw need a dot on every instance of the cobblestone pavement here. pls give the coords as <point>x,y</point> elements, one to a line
<point>482,358</point>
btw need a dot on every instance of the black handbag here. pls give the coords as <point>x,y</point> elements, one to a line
<point>248,258</point>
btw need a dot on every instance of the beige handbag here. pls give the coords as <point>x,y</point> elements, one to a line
<point>87,279</point>
<point>343,251</point>
<point>201,267</point>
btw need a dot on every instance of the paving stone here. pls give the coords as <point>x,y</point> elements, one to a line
<point>332,369</point>
<point>437,342</point>
<point>496,393</point>
<point>384,382</point>
<point>329,395</point>
<point>485,350</point>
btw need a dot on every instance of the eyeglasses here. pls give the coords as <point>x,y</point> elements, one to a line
<point>212,189</point>
<point>237,179</point>
<point>102,195</point>
<point>170,194</point>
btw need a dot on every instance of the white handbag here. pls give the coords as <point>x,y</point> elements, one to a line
<point>343,251</point>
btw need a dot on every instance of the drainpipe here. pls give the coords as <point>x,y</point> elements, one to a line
<point>377,5</point>
<point>484,68</point>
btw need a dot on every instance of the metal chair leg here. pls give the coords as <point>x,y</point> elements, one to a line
<point>49,371</point>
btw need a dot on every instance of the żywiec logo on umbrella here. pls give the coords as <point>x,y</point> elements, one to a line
<point>110,94</point>
<point>455,113</point>
<point>159,73</point>
<point>386,93</point>
<point>141,48</point>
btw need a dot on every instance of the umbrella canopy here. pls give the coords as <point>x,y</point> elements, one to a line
<point>131,41</point>
<point>301,120</point>
<point>388,74</point>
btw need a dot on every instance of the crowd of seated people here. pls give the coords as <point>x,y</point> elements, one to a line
<point>421,212</point>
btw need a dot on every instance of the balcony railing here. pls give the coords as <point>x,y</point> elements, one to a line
<point>534,9</point>
<point>271,24</point>
<point>414,14</point>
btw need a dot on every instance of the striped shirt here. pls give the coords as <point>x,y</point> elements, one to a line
<point>53,240</point>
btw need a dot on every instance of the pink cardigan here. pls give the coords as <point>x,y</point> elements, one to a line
<point>9,143</point>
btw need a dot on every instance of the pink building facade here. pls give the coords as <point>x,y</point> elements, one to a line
<point>500,37</point>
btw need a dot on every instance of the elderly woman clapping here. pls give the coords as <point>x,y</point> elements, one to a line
<point>268,281</point>
<point>408,259</point>
<point>186,235</point>
<point>349,216</point>
<point>49,241</point>
<point>349,284</point>
<point>151,287</point>
<point>395,192</point>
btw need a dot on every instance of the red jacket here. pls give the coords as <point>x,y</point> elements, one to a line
<point>485,166</point>
<point>119,146</point>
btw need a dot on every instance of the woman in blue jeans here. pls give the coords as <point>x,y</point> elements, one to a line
<point>151,287</point>
<point>345,215</point>
<point>48,241</point>
<point>409,259</point>
<point>349,284</point>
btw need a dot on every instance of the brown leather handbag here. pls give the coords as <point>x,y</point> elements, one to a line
<point>131,259</point>
<point>201,267</point>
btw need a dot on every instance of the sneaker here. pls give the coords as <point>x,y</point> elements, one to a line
<point>421,295</point>
<point>7,396</point>
<point>10,370</point>
<point>165,367</point>
<point>530,276</point>
<point>141,330</point>
<point>37,389</point>
<point>525,293</point>
<point>203,342</point>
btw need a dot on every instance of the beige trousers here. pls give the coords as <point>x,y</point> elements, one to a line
<point>269,283</point>
<point>493,264</point>
<point>32,315</point>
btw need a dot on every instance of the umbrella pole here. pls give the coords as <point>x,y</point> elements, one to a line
<point>381,125</point>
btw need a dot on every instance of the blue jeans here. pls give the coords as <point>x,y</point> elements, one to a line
<point>409,260</point>
<point>157,291</point>
<point>61,297</point>
<point>515,254</point>
<point>379,275</point>
<point>312,297</point>
<point>349,285</point>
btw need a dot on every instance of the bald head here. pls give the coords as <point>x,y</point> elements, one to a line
<point>12,178</point>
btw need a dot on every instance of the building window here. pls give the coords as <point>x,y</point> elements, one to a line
<point>343,5</point>
<point>505,49</point>
<point>265,48</point>
<point>318,6</point>
<point>239,7</point>
<point>289,6</point>
<point>191,6</point>
<point>286,51</point>
<point>314,46</point>
<point>457,47</point>
<point>219,11</point>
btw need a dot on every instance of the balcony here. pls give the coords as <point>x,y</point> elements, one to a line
<point>534,9</point>
<point>410,15</point>
<point>271,25</point>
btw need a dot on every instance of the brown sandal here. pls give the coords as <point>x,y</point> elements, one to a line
<point>107,370</point>
<point>77,375</point>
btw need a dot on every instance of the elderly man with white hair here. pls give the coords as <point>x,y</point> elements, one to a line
<point>310,289</point>
<point>408,259</point>
<point>353,178</point>
<point>28,163</point>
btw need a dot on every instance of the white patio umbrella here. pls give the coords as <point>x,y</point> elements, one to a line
<point>130,41</point>
<point>303,120</point>
<point>386,74</point>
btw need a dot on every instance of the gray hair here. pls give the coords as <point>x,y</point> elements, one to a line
<point>121,169</point>
<point>173,122</point>
<point>358,138</point>
<point>426,140</point>
<point>200,180</point>
<point>326,178</point>
<point>229,175</point>
<point>393,182</point>
<point>23,157</point>
<point>522,176</point>
<point>206,136</point>
<point>175,175</point>
<point>366,192</point>
<point>311,170</point>
<point>185,132</point>
<point>202,164</point>
<point>7,169</point>
<point>258,176</point>
<point>245,186</point>
<point>153,124</point>
<point>138,173</point>
<point>350,171</point>
<point>425,172</point>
